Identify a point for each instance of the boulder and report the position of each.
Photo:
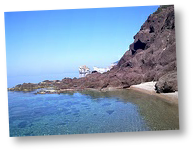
(167, 83)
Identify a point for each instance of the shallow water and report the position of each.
(88, 112)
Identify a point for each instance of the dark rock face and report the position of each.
(153, 52)
(167, 83)
(150, 57)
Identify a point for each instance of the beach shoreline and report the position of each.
(144, 87)
(149, 88)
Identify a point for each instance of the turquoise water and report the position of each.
(88, 112)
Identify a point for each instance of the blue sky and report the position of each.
(59, 41)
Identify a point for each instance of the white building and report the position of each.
(84, 70)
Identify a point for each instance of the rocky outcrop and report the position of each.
(25, 87)
(153, 52)
(151, 57)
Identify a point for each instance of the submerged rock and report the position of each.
(110, 111)
(22, 124)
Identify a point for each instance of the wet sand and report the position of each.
(149, 88)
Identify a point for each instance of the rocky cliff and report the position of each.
(151, 57)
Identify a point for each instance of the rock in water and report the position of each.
(22, 124)
(110, 111)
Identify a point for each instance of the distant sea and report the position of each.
(15, 80)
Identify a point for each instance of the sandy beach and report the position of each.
(149, 88)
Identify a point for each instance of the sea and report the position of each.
(85, 112)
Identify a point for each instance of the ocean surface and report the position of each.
(88, 112)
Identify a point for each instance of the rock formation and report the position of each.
(153, 52)
(167, 83)
(151, 57)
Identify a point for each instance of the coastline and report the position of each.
(145, 87)
(149, 88)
